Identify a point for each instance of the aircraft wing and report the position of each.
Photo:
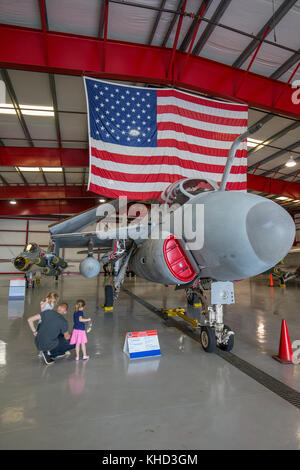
(103, 238)
(83, 219)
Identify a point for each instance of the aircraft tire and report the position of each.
(229, 346)
(208, 339)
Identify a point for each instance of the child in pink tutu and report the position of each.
(79, 335)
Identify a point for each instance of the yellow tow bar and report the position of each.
(180, 312)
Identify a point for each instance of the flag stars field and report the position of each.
(142, 139)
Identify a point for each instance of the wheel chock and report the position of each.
(108, 309)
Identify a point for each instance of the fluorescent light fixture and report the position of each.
(102, 200)
(291, 162)
(253, 142)
(6, 108)
(29, 168)
(282, 198)
(31, 112)
(52, 168)
(13, 202)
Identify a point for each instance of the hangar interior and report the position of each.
(185, 399)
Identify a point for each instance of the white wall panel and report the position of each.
(8, 268)
(8, 252)
(39, 224)
(12, 238)
(12, 224)
(39, 238)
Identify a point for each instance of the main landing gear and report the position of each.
(213, 332)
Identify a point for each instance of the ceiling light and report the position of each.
(282, 198)
(51, 168)
(102, 200)
(29, 168)
(13, 202)
(33, 112)
(291, 162)
(253, 142)
(6, 108)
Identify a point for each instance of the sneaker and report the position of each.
(85, 358)
(47, 358)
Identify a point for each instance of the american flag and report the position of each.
(143, 139)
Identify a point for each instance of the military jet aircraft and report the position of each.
(243, 235)
(33, 260)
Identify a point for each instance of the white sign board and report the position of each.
(139, 344)
(17, 289)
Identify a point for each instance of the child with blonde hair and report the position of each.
(79, 335)
(49, 301)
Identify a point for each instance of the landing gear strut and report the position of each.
(213, 332)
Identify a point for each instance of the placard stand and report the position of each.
(17, 288)
(140, 344)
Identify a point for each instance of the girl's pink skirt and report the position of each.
(78, 337)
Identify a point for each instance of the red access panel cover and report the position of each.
(177, 261)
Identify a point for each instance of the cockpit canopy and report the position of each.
(31, 248)
(183, 190)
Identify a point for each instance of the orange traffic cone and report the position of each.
(285, 354)
(271, 283)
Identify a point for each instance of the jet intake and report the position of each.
(89, 267)
(162, 260)
(58, 262)
(40, 261)
(22, 264)
(49, 271)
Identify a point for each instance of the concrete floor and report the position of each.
(186, 399)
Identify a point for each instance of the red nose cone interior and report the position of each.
(177, 261)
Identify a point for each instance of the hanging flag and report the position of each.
(143, 139)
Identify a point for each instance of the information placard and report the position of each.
(139, 344)
(17, 289)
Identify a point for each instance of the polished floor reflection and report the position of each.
(185, 399)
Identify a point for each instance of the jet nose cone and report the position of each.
(271, 231)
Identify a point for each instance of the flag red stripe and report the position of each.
(172, 126)
(109, 192)
(144, 178)
(186, 113)
(161, 160)
(201, 101)
(213, 152)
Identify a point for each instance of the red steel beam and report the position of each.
(24, 48)
(45, 207)
(273, 186)
(43, 157)
(46, 192)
